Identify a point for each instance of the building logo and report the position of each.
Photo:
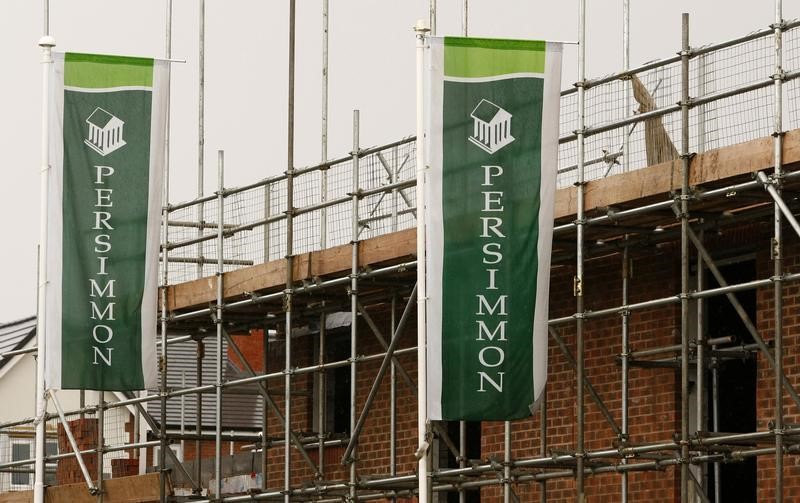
(492, 127)
(105, 132)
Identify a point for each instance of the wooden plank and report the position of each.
(708, 167)
(17, 497)
(711, 166)
(135, 489)
(307, 266)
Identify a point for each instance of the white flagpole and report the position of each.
(422, 412)
(46, 43)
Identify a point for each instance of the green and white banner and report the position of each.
(493, 143)
(107, 127)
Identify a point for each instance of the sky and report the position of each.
(371, 60)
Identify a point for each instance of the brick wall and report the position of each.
(68, 470)
(765, 409)
(654, 406)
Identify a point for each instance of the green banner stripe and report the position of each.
(490, 186)
(97, 71)
(481, 57)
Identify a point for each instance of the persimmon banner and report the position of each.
(493, 143)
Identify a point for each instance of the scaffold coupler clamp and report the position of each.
(422, 450)
(577, 286)
(287, 300)
(41, 415)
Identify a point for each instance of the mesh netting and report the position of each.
(742, 117)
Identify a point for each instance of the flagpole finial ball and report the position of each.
(47, 41)
(422, 26)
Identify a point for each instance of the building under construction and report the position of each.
(289, 368)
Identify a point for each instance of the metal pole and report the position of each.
(201, 135)
(462, 456)
(715, 428)
(137, 430)
(543, 441)
(46, 43)
(393, 180)
(465, 32)
(321, 394)
(393, 399)
(218, 322)
(684, 217)
(507, 462)
(198, 447)
(700, 376)
(183, 415)
(267, 205)
(701, 110)
(162, 434)
(287, 382)
(580, 224)
(626, 164)
(777, 251)
(323, 214)
(422, 406)
(432, 16)
(264, 422)
(354, 306)
(100, 443)
(625, 353)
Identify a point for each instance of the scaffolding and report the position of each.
(704, 99)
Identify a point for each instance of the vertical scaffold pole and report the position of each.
(684, 212)
(287, 437)
(46, 43)
(101, 401)
(700, 375)
(354, 304)
(715, 427)
(393, 399)
(626, 64)
(778, 250)
(323, 213)
(198, 446)
(393, 180)
(201, 134)
(543, 441)
(507, 462)
(624, 357)
(580, 223)
(183, 416)
(218, 322)
(626, 162)
(701, 110)
(162, 451)
(462, 456)
(432, 16)
(422, 406)
(321, 394)
(264, 420)
(465, 19)
(267, 207)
